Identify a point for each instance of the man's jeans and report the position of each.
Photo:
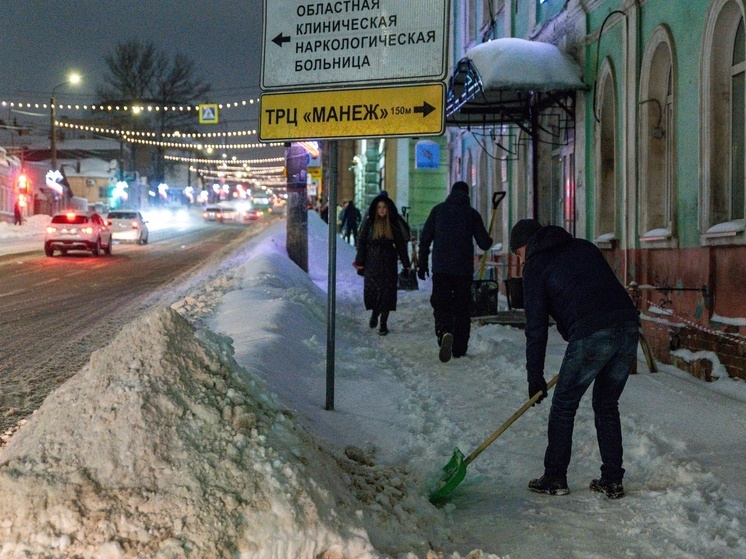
(606, 357)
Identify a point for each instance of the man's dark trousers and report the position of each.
(450, 300)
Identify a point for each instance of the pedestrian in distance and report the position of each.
(17, 215)
(350, 218)
(451, 229)
(570, 280)
(379, 245)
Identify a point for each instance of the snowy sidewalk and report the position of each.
(684, 439)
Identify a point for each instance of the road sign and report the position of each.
(208, 113)
(353, 43)
(415, 110)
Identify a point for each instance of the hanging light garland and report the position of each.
(175, 145)
(220, 161)
(175, 134)
(125, 108)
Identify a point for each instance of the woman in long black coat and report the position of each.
(379, 244)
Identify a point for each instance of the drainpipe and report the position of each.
(535, 160)
(632, 25)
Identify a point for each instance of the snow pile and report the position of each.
(32, 226)
(164, 447)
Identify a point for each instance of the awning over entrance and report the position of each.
(505, 80)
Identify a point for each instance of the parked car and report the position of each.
(77, 230)
(220, 213)
(128, 225)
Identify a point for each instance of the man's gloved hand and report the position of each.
(537, 385)
(422, 272)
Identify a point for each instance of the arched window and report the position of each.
(722, 203)
(606, 158)
(657, 226)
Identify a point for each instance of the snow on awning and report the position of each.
(498, 81)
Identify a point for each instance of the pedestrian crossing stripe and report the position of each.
(208, 113)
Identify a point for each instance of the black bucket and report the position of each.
(514, 292)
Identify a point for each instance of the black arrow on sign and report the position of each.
(425, 109)
(281, 39)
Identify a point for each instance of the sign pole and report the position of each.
(332, 275)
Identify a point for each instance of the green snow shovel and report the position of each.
(455, 470)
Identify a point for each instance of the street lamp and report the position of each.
(73, 79)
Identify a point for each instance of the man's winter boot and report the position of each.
(373, 319)
(549, 485)
(446, 345)
(611, 489)
(383, 330)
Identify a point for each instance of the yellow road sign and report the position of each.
(208, 113)
(415, 110)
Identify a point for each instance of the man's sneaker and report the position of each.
(549, 486)
(609, 488)
(446, 343)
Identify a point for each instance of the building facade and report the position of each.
(645, 157)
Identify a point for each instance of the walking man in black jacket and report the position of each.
(450, 228)
(570, 280)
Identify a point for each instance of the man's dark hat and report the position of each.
(460, 185)
(522, 231)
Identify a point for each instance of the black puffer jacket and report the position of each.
(450, 228)
(569, 280)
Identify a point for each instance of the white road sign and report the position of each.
(309, 43)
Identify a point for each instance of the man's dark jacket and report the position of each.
(450, 228)
(569, 280)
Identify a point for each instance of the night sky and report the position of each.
(43, 40)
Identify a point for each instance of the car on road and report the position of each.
(220, 213)
(128, 225)
(250, 214)
(77, 230)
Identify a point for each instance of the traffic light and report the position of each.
(22, 184)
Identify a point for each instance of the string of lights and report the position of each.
(147, 134)
(149, 107)
(220, 161)
(175, 145)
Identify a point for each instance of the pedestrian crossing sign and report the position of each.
(208, 113)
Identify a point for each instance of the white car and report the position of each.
(76, 230)
(220, 213)
(128, 225)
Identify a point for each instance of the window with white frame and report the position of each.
(606, 158)
(722, 201)
(657, 208)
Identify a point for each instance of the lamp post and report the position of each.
(72, 78)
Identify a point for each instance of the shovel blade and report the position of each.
(453, 474)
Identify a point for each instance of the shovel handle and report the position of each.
(508, 423)
(497, 197)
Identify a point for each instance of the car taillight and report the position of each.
(135, 225)
(86, 230)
